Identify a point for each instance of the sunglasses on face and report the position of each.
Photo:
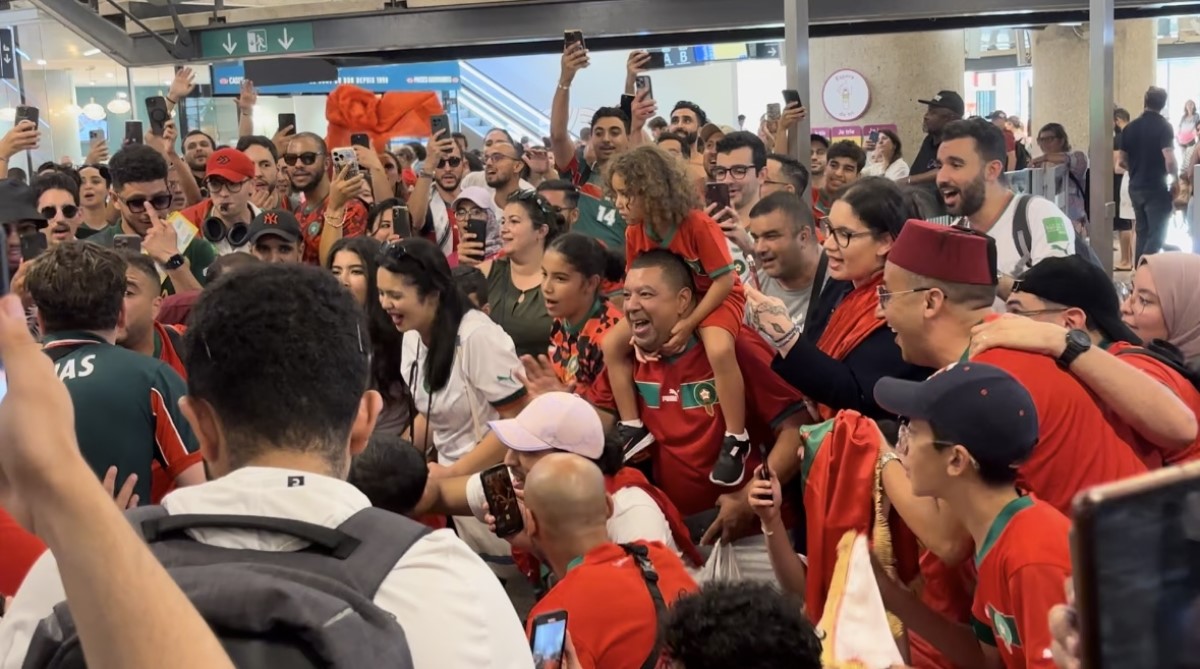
(452, 161)
(68, 211)
(308, 158)
(137, 204)
(218, 185)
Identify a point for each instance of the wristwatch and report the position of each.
(174, 262)
(1078, 342)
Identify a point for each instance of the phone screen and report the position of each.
(549, 638)
(717, 193)
(133, 132)
(33, 245)
(1140, 600)
(288, 121)
(873, 137)
(502, 500)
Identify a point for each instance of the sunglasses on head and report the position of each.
(308, 158)
(452, 161)
(531, 196)
(68, 211)
(160, 202)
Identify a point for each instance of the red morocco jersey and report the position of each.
(677, 400)
(1022, 564)
(1079, 446)
(1153, 455)
(701, 244)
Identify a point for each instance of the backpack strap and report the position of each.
(1022, 238)
(385, 538)
(641, 556)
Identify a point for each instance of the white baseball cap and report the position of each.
(554, 421)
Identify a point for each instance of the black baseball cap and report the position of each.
(997, 115)
(979, 406)
(947, 100)
(1074, 281)
(276, 222)
(17, 203)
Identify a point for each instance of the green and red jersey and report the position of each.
(1022, 564)
(575, 349)
(678, 403)
(126, 408)
(598, 215)
(312, 225)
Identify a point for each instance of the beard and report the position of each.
(971, 198)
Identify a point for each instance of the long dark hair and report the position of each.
(386, 341)
(541, 213)
(589, 257)
(425, 266)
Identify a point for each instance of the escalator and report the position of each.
(484, 104)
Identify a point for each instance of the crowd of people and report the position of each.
(691, 354)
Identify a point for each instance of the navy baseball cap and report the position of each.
(981, 407)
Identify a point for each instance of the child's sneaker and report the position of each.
(731, 463)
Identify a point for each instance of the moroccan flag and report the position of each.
(857, 632)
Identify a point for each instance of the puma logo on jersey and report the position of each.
(68, 369)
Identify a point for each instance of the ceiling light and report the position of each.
(94, 111)
(122, 94)
(92, 52)
(73, 109)
(110, 75)
(119, 106)
(41, 62)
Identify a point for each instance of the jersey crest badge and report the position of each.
(1005, 628)
(706, 395)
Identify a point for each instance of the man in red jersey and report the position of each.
(678, 403)
(1141, 389)
(964, 433)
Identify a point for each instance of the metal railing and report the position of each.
(509, 111)
(1045, 182)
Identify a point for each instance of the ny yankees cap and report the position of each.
(979, 406)
(276, 222)
(554, 421)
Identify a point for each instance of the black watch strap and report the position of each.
(1078, 342)
(174, 262)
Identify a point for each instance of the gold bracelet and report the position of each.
(341, 220)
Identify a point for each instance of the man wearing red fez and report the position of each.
(938, 284)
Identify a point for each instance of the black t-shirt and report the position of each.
(1143, 142)
(927, 161)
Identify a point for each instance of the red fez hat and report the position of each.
(946, 253)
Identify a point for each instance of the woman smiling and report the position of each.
(841, 354)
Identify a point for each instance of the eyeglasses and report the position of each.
(217, 185)
(739, 172)
(904, 438)
(1034, 312)
(308, 158)
(473, 212)
(841, 236)
(885, 295)
(68, 211)
(137, 203)
(452, 161)
(497, 157)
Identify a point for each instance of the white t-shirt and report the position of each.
(483, 377)
(896, 171)
(1051, 234)
(636, 516)
(439, 585)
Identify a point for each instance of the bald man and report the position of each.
(613, 609)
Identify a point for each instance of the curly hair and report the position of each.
(658, 181)
(746, 625)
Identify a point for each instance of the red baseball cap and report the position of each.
(231, 165)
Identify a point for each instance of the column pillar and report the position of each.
(1135, 62)
(899, 69)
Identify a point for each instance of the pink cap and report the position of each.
(554, 421)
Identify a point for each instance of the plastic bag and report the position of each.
(721, 566)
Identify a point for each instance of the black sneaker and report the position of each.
(634, 440)
(731, 463)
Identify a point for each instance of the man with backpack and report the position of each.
(278, 552)
(1026, 229)
(1145, 388)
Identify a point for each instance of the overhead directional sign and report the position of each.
(764, 50)
(260, 40)
(8, 58)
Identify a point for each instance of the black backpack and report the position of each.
(308, 608)
(1023, 238)
(1023, 156)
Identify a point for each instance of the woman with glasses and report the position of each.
(515, 279)
(57, 197)
(354, 262)
(1165, 303)
(459, 366)
(1056, 150)
(846, 347)
(887, 160)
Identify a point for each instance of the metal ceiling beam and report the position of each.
(473, 31)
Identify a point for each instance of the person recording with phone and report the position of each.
(382, 225)
(615, 594)
(224, 217)
(139, 189)
(887, 158)
(439, 183)
(24, 136)
(331, 207)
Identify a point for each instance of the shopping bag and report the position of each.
(721, 566)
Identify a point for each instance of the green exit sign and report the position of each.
(262, 40)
